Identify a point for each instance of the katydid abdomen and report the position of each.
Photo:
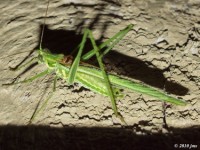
(92, 79)
(86, 79)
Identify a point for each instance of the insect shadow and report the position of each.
(63, 41)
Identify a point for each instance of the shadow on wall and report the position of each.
(71, 138)
(63, 41)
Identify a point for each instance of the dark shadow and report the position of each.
(72, 34)
(137, 69)
(95, 138)
(63, 41)
(114, 2)
(60, 41)
(24, 71)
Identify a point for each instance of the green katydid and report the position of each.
(95, 79)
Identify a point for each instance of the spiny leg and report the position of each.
(105, 76)
(74, 67)
(110, 43)
(29, 79)
(75, 64)
(37, 110)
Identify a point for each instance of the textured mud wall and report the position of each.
(162, 50)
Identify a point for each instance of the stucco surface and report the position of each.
(162, 50)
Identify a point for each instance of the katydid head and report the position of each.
(45, 56)
(40, 56)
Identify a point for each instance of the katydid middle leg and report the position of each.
(37, 110)
(75, 64)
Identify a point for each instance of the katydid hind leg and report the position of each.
(110, 43)
(105, 76)
(116, 40)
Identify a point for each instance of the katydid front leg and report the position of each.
(24, 65)
(30, 79)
